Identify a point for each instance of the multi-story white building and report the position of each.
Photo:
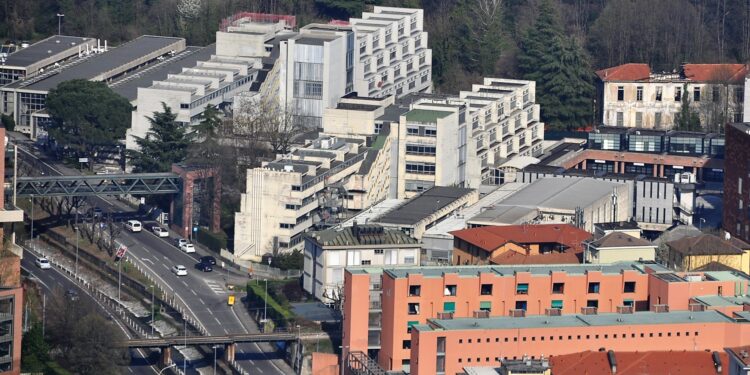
(329, 252)
(631, 95)
(392, 57)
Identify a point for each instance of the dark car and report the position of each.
(71, 295)
(208, 259)
(205, 267)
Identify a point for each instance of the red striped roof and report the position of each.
(492, 237)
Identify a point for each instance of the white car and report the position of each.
(179, 270)
(187, 247)
(180, 241)
(43, 263)
(134, 226)
(160, 232)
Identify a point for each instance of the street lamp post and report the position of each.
(170, 366)
(184, 357)
(342, 358)
(59, 24)
(77, 238)
(152, 309)
(32, 222)
(265, 301)
(215, 347)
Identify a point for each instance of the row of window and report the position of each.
(416, 149)
(521, 288)
(582, 337)
(413, 308)
(739, 94)
(420, 168)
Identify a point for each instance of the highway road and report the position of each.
(203, 294)
(53, 281)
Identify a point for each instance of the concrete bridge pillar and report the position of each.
(229, 352)
(165, 358)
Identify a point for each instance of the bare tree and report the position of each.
(268, 122)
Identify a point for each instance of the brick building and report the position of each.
(737, 173)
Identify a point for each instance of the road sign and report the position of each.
(121, 252)
(195, 229)
(230, 300)
(83, 160)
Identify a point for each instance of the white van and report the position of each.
(134, 226)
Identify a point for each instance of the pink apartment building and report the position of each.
(381, 321)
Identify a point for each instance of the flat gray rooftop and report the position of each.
(534, 269)
(128, 86)
(98, 64)
(43, 49)
(600, 320)
(424, 205)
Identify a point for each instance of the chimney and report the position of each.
(355, 229)
(612, 361)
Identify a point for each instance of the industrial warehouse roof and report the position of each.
(98, 64)
(492, 237)
(534, 269)
(619, 239)
(577, 320)
(708, 244)
(426, 115)
(362, 235)
(45, 48)
(424, 205)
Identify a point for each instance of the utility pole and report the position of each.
(119, 278)
(215, 347)
(184, 357)
(152, 310)
(265, 302)
(32, 222)
(77, 238)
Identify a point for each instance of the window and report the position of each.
(415, 290)
(558, 288)
(628, 302)
(522, 288)
(416, 149)
(715, 96)
(620, 93)
(450, 290)
(620, 119)
(413, 309)
(557, 304)
(594, 287)
(696, 94)
(629, 287)
(639, 93)
(658, 93)
(440, 364)
(592, 303)
(286, 226)
(449, 307)
(677, 94)
(639, 119)
(378, 251)
(408, 260)
(406, 344)
(366, 262)
(410, 324)
(184, 106)
(486, 289)
(441, 345)
(420, 168)
(485, 305)
(657, 120)
(739, 95)
(520, 305)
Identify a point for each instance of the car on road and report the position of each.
(188, 248)
(205, 267)
(208, 259)
(43, 263)
(71, 295)
(159, 231)
(180, 241)
(179, 270)
(97, 212)
(133, 226)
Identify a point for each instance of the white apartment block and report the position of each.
(307, 187)
(630, 95)
(329, 252)
(391, 53)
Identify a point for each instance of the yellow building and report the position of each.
(691, 253)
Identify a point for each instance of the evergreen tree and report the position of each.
(564, 88)
(206, 149)
(166, 143)
(34, 351)
(687, 119)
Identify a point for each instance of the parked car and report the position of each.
(180, 241)
(133, 226)
(43, 263)
(208, 259)
(188, 248)
(71, 295)
(160, 232)
(179, 270)
(205, 267)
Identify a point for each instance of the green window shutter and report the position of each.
(449, 306)
(557, 304)
(485, 305)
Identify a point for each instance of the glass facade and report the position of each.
(602, 141)
(645, 143)
(29, 103)
(686, 145)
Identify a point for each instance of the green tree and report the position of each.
(483, 35)
(87, 117)
(687, 119)
(8, 123)
(564, 88)
(34, 351)
(165, 143)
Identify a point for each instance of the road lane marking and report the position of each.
(192, 291)
(202, 303)
(217, 321)
(147, 260)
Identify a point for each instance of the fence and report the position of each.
(258, 269)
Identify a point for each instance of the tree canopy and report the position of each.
(564, 88)
(165, 143)
(87, 117)
(687, 119)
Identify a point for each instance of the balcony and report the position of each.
(11, 214)
(375, 305)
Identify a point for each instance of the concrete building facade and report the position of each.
(43, 55)
(736, 209)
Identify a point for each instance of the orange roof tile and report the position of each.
(731, 73)
(639, 363)
(513, 257)
(625, 72)
(491, 237)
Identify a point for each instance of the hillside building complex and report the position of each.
(631, 95)
(43, 55)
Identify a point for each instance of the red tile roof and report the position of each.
(731, 73)
(625, 72)
(640, 363)
(512, 257)
(492, 237)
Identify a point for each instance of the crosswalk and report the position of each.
(215, 286)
